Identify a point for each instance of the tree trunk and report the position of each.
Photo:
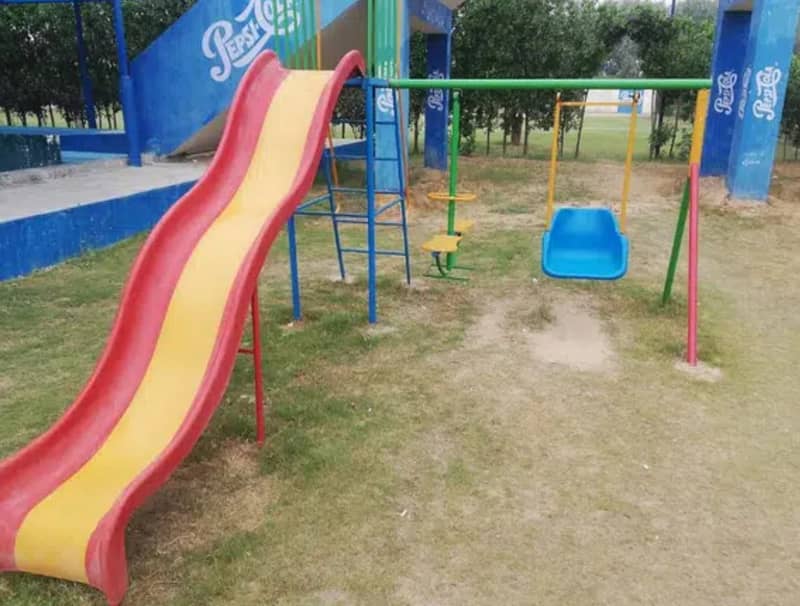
(526, 136)
(662, 108)
(653, 117)
(7, 112)
(416, 135)
(580, 126)
(505, 138)
(489, 138)
(114, 118)
(39, 121)
(516, 130)
(52, 117)
(23, 118)
(675, 129)
(785, 144)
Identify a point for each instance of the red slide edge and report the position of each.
(105, 558)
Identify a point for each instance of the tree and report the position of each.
(790, 125)
(40, 66)
(678, 47)
(529, 39)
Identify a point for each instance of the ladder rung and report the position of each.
(364, 251)
(443, 196)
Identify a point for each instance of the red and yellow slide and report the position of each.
(65, 499)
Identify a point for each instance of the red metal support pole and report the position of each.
(257, 368)
(694, 215)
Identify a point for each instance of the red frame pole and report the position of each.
(257, 368)
(255, 351)
(694, 216)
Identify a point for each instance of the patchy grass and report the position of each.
(439, 460)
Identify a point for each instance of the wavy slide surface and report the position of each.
(65, 500)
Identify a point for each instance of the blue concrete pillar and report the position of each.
(730, 46)
(766, 70)
(127, 95)
(387, 173)
(438, 102)
(83, 67)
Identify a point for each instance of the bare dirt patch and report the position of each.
(701, 372)
(575, 339)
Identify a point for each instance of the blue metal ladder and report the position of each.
(359, 152)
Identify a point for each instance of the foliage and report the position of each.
(790, 126)
(670, 47)
(39, 70)
(528, 39)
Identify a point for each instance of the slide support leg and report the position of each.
(258, 368)
(291, 230)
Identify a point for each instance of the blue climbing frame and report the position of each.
(126, 91)
(313, 207)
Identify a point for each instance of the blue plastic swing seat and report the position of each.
(584, 244)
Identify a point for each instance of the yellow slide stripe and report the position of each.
(54, 536)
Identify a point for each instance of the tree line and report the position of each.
(493, 39)
(39, 71)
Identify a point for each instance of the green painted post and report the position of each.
(676, 245)
(370, 37)
(314, 59)
(455, 140)
(302, 23)
(275, 28)
(295, 61)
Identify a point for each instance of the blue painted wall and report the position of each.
(733, 32)
(188, 76)
(766, 71)
(387, 175)
(434, 14)
(43, 240)
(751, 65)
(437, 103)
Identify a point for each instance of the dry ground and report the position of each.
(513, 440)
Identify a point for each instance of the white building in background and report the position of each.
(645, 101)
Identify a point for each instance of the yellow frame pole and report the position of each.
(626, 181)
(551, 181)
(699, 130)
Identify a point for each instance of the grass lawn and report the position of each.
(511, 440)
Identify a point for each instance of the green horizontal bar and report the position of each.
(556, 84)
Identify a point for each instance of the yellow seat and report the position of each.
(442, 244)
(464, 226)
(443, 196)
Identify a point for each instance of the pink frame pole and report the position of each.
(694, 217)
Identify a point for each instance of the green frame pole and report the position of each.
(455, 140)
(680, 228)
(556, 84)
(370, 37)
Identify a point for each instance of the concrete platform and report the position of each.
(96, 184)
(89, 206)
